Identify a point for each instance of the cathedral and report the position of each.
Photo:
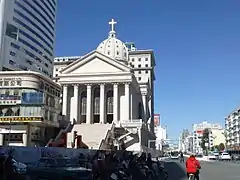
(109, 91)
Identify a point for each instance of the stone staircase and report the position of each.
(92, 134)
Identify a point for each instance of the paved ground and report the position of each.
(209, 171)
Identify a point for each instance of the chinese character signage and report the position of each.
(21, 119)
(10, 82)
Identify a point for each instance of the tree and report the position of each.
(217, 147)
(221, 146)
(205, 139)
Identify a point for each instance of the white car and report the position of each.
(212, 157)
(224, 156)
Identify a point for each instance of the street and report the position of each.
(209, 171)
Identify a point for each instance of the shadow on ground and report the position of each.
(175, 170)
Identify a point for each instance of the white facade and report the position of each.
(60, 63)
(29, 108)
(232, 126)
(198, 133)
(102, 87)
(186, 144)
(161, 137)
(27, 35)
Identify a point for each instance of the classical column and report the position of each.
(64, 102)
(76, 103)
(24, 139)
(102, 103)
(126, 105)
(144, 100)
(89, 104)
(1, 139)
(115, 102)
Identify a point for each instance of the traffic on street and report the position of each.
(210, 170)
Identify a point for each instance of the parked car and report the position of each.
(225, 157)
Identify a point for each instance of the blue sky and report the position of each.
(196, 44)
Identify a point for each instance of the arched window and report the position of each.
(83, 103)
(110, 102)
(96, 96)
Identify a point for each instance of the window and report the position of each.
(132, 59)
(139, 78)
(12, 31)
(146, 65)
(146, 59)
(12, 53)
(110, 102)
(15, 92)
(11, 62)
(139, 65)
(7, 91)
(15, 46)
(83, 103)
(146, 71)
(139, 59)
(117, 53)
(139, 72)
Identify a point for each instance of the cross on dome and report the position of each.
(112, 33)
(112, 23)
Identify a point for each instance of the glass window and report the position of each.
(83, 103)
(12, 53)
(12, 31)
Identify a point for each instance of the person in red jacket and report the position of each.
(193, 166)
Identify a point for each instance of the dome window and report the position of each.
(108, 52)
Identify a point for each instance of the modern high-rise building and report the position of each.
(27, 35)
(232, 130)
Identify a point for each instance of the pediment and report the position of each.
(95, 62)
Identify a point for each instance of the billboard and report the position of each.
(32, 98)
(156, 119)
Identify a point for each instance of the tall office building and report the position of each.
(27, 35)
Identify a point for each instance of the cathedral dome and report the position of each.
(113, 47)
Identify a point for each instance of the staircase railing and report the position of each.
(67, 129)
(107, 135)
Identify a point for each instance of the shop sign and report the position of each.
(10, 82)
(21, 119)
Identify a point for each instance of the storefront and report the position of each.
(25, 131)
